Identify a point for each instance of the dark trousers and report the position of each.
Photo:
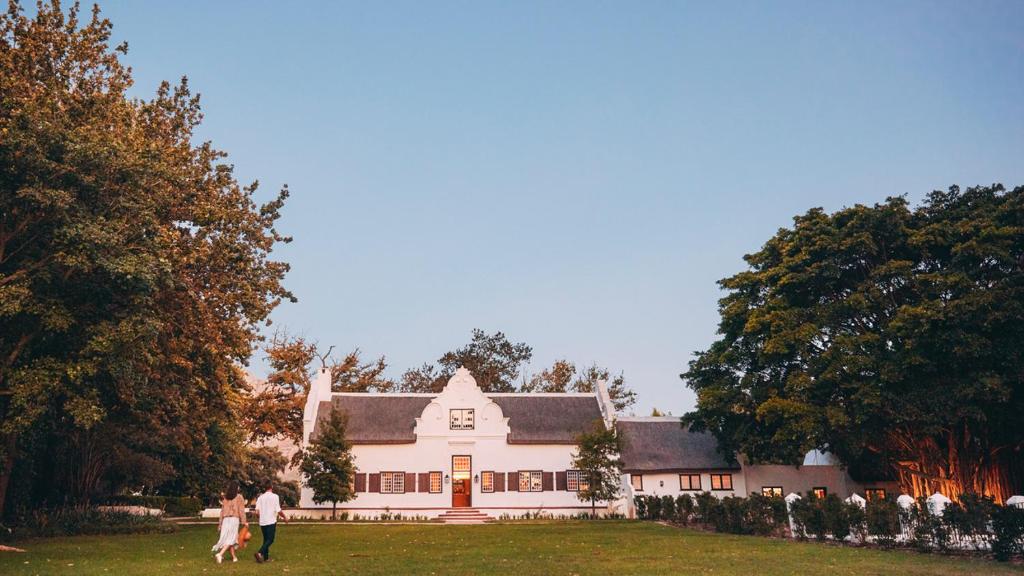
(268, 538)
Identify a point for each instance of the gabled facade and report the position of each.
(423, 454)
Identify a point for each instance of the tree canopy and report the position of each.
(134, 268)
(881, 333)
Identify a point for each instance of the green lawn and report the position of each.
(519, 549)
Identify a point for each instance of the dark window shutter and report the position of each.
(499, 482)
(547, 481)
(360, 482)
(560, 481)
(424, 482)
(375, 482)
(410, 481)
(513, 481)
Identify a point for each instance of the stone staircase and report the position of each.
(464, 516)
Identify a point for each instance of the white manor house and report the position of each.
(464, 453)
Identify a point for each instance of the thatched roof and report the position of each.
(533, 418)
(664, 445)
(543, 419)
(376, 418)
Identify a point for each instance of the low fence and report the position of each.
(935, 523)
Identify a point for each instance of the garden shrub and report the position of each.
(1008, 532)
(684, 508)
(927, 530)
(835, 518)
(882, 517)
(968, 521)
(668, 508)
(641, 507)
(707, 506)
(856, 518)
(654, 507)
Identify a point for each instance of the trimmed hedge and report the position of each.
(754, 515)
(84, 520)
(171, 505)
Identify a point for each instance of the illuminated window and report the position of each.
(874, 494)
(689, 481)
(771, 491)
(531, 481)
(820, 492)
(461, 466)
(435, 482)
(487, 481)
(392, 482)
(461, 419)
(637, 480)
(575, 481)
(721, 481)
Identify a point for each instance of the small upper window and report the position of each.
(721, 481)
(775, 491)
(638, 482)
(461, 419)
(874, 494)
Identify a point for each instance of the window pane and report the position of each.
(524, 481)
(398, 482)
(727, 481)
(435, 482)
(536, 482)
(572, 481)
(716, 482)
(638, 481)
(461, 464)
(487, 482)
(821, 492)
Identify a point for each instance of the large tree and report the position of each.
(134, 268)
(882, 333)
(563, 377)
(494, 361)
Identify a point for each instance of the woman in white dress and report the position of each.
(232, 515)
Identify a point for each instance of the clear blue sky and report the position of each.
(577, 175)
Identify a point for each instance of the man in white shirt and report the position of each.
(268, 505)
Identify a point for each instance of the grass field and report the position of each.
(556, 548)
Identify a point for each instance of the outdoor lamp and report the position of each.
(447, 479)
(661, 483)
(476, 479)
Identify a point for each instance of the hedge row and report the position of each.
(757, 514)
(171, 505)
(975, 522)
(84, 520)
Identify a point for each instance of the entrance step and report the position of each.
(464, 516)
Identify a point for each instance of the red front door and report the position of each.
(462, 483)
(461, 494)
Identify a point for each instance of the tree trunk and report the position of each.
(7, 470)
(593, 507)
(334, 510)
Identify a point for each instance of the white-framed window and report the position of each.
(435, 483)
(392, 482)
(487, 481)
(689, 482)
(637, 480)
(721, 481)
(461, 418)
(575, 481)
(771, 491)
(531, 481)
